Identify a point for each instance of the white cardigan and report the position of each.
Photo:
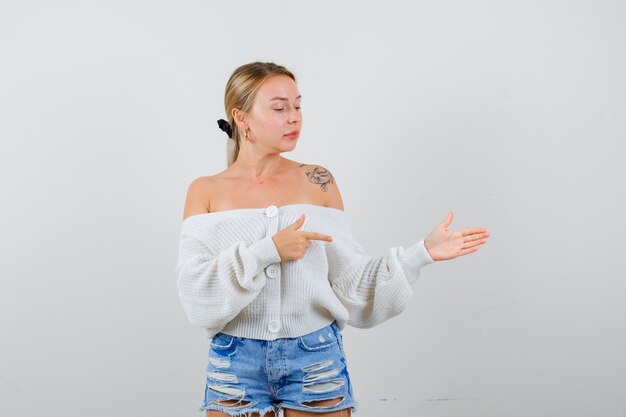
(231, 278)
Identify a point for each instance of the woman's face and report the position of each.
(275, 119)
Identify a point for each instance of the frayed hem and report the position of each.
(236, 413)
(320, 410)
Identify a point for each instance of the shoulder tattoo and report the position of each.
(320, 176)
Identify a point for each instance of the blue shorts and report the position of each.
(260, 376)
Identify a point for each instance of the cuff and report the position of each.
(413, 259)
(265, 251)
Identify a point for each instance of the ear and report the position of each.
(240, 118)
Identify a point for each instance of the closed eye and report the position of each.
(285, 108)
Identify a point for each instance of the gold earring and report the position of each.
(245, 134)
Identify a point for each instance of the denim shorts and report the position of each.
(260, 376)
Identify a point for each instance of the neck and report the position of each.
(258, 166)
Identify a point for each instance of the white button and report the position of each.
(272, 271)
(274, 326)
(271, 211)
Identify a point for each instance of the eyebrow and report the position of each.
(284, 98)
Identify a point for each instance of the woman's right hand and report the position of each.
(293, 243)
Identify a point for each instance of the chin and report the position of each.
(288, 147)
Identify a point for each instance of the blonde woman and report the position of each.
(268, 266)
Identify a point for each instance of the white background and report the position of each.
(511, 114)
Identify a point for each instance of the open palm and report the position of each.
(443, 243)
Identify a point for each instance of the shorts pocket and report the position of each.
(320, 339)
(222, 341)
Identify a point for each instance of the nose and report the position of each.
(294, 115)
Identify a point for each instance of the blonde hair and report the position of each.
(240, 91)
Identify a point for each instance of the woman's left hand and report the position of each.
(443, 244)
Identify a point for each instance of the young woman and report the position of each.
(268, 266)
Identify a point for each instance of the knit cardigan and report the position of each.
(230, 277)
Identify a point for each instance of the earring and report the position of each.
(245, 135)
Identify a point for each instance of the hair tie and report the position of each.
(225, 126)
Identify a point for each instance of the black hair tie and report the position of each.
(225, 126)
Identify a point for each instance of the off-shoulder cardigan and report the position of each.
(230, 277)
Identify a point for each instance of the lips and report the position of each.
(293, 134)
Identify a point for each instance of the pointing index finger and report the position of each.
(317, 236)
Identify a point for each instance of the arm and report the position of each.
(215, 287)
(373, 289)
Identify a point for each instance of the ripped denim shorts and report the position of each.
(247, 376)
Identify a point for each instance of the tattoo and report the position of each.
(321, 176)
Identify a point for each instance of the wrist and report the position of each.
(428, 246)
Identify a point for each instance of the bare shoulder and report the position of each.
(325, 183)
(198, 192)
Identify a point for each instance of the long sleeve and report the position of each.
(373, 289)
(215, 287)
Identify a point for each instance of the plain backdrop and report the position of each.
(512, 114)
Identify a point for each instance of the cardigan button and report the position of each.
(274, 326)
(271, 211)
(272, 271)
